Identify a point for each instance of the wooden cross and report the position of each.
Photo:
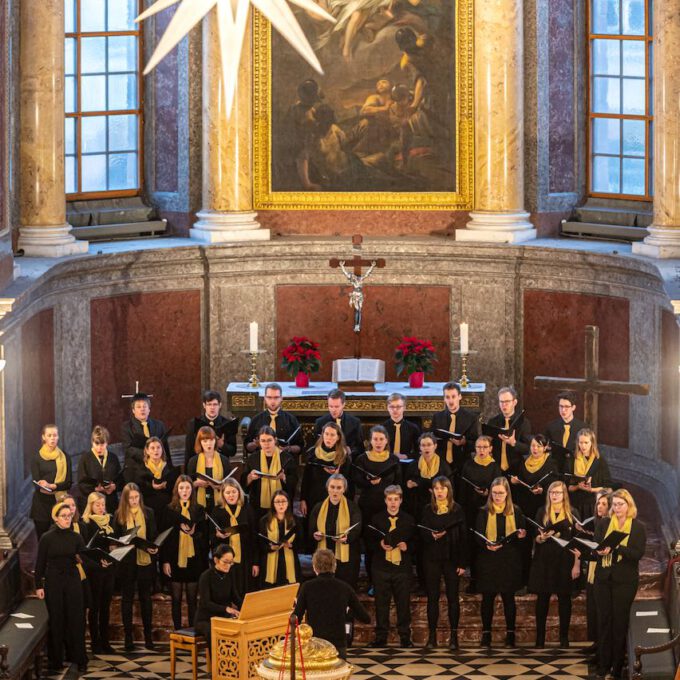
(591, 386)
(357, 262)
(129, 396)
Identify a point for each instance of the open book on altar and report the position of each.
(358, 371)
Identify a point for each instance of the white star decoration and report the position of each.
(232, 16)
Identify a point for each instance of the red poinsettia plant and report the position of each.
(414, 355)
(301, 355)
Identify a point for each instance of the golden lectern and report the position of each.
(238, 645)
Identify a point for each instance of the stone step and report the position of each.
(120, 230)
(628, 216)
(604, 231)
(115, 211)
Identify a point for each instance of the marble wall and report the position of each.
(670, 388)
(6, 262)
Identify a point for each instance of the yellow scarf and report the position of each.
(217, 473)
(534, 464)
(96, 457)
(273, 556)
(269, 486)
(186, 542)
(394, 555)
(557, 517)
(431, 469)
(442, 507)
(58, 456)
(376, 457)
(79, 566)
(136, 519)
(155, 468)
(103, 523)
(325, 456)
(341, 524)
(234, 539)
(487, 460)
(582, 466)
(492, 522)
(614, 526)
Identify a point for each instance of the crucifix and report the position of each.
(129, 396)
(592, 385)
(356, 280)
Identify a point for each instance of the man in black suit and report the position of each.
(226, 441)
(563, 430)
(455, 418)
(325, 599)
(282, 422)
(349, 424)
(509, 450)
(135, 432)
(402, 434)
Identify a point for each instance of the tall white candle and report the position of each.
(253, 336)
(464, 346)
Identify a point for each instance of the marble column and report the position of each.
(664, 232)
(227, 213)
(44, 230)
(499, 213)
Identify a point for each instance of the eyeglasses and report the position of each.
(557, 492)
(226, 562)
(499, 493)
(482, 448)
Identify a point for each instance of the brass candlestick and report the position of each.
(464, 380)
(253, 381)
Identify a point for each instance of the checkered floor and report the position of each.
(387, 664)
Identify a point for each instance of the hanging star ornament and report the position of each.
(232, 17)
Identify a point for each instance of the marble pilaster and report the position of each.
(227, 214)
(44, 230)
(664, 232)
(499, 213)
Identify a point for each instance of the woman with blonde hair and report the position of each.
(587, 473)
(499, 563)
(156, 478)
(554, 570)
(616, 581)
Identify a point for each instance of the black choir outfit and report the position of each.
(42, 503)
(584, 501)
(440, 559)
(550, 574)
(134, 440)
(351, 428)
(419, 496)
(555, 431)
(284, 425)
(316, 474)
(209, 490)
(156, 499)
(515, 454)
(348, 565)
(616, 583)
(219, 424)
(217, 590)
(256, 497)
(408, 436)
(391, 573)
(197, 564)
(56, 571)
(92, 471)
(275, 571)
(467, 424)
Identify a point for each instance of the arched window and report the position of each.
(620, 99)
(103, 98)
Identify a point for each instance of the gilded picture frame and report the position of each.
(444, 191)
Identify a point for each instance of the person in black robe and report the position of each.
(564, 430)
(402, 434)
(342, 519)
(57, 580)
(51, 472)
(99, 470)
(325, 601)
(184, 554)
(454, 418)
(554, 570)
(226, 429)
(350, 425)
(135, 432)
(444, 547)
(156, 478)
(234, 511)
(617, 576)
(269, 460)
(587, 475)
(218, 592)
(499, 565)
(284, 424)
(509, 450)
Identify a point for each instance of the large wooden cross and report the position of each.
(591, 385)
(356, 280)
(129, 396)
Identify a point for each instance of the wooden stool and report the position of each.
(188, 639)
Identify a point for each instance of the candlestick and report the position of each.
(464, 341)
(464, 381)
(253, 336)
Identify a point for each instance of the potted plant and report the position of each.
(300, 358)
(416, 357)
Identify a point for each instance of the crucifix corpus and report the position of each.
(129, 396)
(591, 385)
(356, 280)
